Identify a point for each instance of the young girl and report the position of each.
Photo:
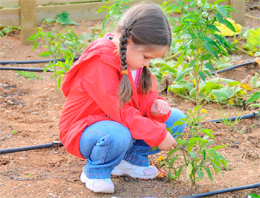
(113, 115)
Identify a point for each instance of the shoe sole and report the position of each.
(82, 178)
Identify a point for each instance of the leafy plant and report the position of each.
(67, 45)
(28, 75)
(221, 90)
(254, 98)
(7, 30)
(114, 11)
(63, 19)
(200, 43)
(253, 40)
(199, 157)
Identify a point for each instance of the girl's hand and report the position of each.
(160, 107)
(168, 142)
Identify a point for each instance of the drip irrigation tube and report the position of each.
(251, 115)
(54, 144)
(233, 67)
(25, 69)
(32, 61)
(257, 185)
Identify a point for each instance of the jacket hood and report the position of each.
(102, 47)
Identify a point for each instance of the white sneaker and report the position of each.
(140, 172)
(98, 185)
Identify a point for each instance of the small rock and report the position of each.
(13, 90)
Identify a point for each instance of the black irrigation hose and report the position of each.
(54, 144)
(25, 69)
(251, 115)
(233, 67)
(257, 185)
(32, 61)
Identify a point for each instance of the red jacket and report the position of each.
(90, 88)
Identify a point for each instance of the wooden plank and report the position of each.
(9, 17)
(9, 3)
(27, 20)
(44, 2)
(77, 12)
(239, 15)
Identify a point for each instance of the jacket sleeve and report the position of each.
(146, 101)
(101, 81)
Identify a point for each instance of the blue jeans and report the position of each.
(106, 143)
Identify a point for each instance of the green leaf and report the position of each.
(221, 9)
(218, 1)
(229, 25)
(209, 48)
(178, 173)
(254, 97)
(223, 94)
(181, 142)
(202, 75)
(171, 176)
(35, 45)
(208, 132)
(251, 195)
(192, 63)
(200, 174)
(193, 155)
(206, 56)
(219, 147)
(208, 172)
(189, 170)
(45, 54)
(210, 66)
(213, 27)
(177, 28)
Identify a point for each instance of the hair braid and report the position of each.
(125, 90)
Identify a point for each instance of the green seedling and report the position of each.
(62, 19)
(14, 132)
(28, 75)
(8, 30)
(195, 153)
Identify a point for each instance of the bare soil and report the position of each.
(29, 115)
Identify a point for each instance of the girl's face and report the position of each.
(139, 56)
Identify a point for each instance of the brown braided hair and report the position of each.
(148, 26)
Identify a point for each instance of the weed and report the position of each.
(28, 75)
(62, 19)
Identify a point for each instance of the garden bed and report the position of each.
(30, 111)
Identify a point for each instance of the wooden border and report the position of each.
(10, 17)
(9, 3)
